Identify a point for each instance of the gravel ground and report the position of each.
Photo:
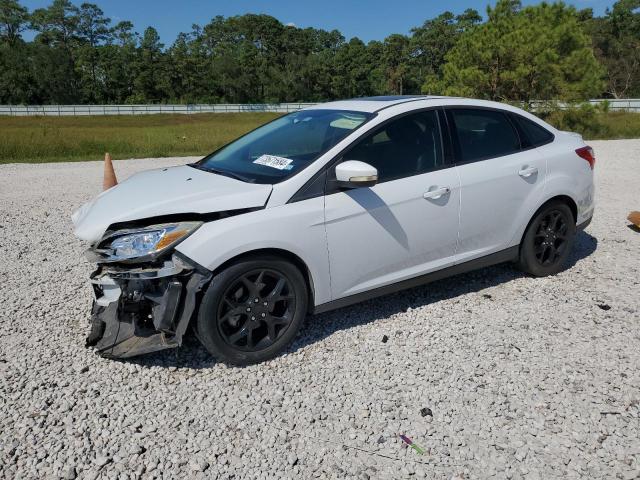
(494, 374)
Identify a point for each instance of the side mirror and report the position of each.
(355, 174)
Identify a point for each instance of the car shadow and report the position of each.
(317, 327)
(371, 202)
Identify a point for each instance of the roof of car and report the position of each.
(372, 104)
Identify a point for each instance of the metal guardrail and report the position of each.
(80, 110)
(630, 105)
(615, 104)
(620, 104)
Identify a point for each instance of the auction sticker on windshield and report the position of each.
(272, 161)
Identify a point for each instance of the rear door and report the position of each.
(499, 179)
(402, 227)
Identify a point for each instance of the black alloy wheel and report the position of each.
(547, 242)
(550, 239)
(256, 310)
(252, 310)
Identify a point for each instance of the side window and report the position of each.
(408, 146)
(534, 134)
(483, 134)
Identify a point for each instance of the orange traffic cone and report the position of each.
(110, 179)
(634, 217)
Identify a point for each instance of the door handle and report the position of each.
(526, 172)
(436, 193)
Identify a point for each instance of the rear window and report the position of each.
(483, 134)
(534, 135)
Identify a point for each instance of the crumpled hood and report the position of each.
(165, 191)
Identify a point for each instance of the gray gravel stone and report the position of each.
(510, 366)
(69, 473)
(101, 460)
(198, 464)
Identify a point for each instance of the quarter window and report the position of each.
(534, 134)
(404, 147)
(483, 134)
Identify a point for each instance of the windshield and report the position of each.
(282, 148)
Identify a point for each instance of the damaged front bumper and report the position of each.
(143, 309)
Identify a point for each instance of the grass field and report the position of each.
(619, 125)
(55, 139)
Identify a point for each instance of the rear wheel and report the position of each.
(547, 243)
(252, 310)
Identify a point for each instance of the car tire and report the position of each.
(252, 310)
(548, 240)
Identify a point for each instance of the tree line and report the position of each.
(516, 53)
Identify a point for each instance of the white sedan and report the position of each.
(323, 208)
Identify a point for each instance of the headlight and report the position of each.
(139, 243)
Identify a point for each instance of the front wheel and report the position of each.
(252, 310)
(547, 243)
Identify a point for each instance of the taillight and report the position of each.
(588, 155)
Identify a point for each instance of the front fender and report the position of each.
(297, 228)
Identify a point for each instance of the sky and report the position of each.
(366, 19)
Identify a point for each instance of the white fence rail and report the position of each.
(79, 110)
(630, 105)
(620, 104)
(615, 105)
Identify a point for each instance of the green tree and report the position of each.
(93, 27)
(432, 41)
(534, 53)
(183, 71)
(616, 38)
(522, 54)
(116, 60)
(395, 58)
(54, 57)
(92, 32)
(150, 81)
(291, 78)
(55, 78)
(356, 73)
(57, 24)
(15, 81)
(123, 34)
(14, 19)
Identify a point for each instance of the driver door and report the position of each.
(404, 226)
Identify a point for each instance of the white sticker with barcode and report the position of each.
(272, 161)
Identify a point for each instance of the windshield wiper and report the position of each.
(222, 172)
